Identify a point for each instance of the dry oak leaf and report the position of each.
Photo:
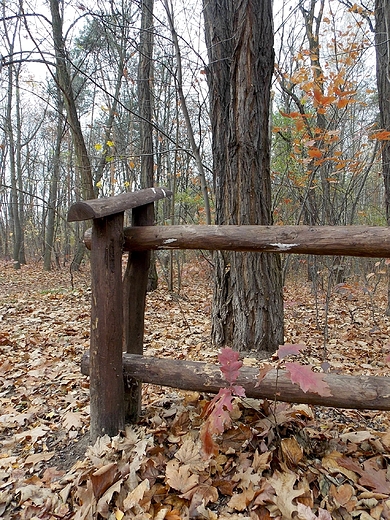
(240, 501)
(179, 477)
(246, 478)
(203, 493)
(72, 420)
(190, 454)
(343, 495)
(103, 478)
(306, 513)
(283, 484)
(374, 478)
(292, 451)
(103, 505)
(261, 461)
(34, 434)
(39, 457)
(135, 496)
(334, 462)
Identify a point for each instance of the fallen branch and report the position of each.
(356, 392)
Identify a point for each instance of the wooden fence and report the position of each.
(115, 375)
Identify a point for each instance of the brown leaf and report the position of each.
(240, 501)
(246, 478)
(102, 507)
(334, 462)
(261, 461)
(72, 420)
(292, 452)
(283, 484)
(134, 497)
(190, 454)
(103, 478)
(234, 438)
(179, 477)
(374, 478)
(344, 496)
(39, 457)
(225, 486)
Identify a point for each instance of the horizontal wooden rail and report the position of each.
(321, 240)
(356, 392)
(99, 208)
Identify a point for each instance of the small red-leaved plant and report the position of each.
(219, 410)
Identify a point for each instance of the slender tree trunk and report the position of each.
(65, 84)
(14, 165)
(186, 115)
(248, 301)
(141, 272)
(53, 191)
(382, 49)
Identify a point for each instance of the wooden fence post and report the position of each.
(107, 325)
(135, 287)
(106, 376)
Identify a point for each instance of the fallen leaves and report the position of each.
(268, 460)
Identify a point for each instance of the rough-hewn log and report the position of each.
(106, 381)
(322, 240)
(97, 208)
(364, 241)
(356, 392)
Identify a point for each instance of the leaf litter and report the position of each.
(273, 460)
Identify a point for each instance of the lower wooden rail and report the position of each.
(348, 391)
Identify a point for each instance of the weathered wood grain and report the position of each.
(106, 381)
(366, 241)
(98, 208)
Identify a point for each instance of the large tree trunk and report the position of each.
(382, 35)
(248, 302)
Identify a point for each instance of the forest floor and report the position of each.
(275, 461)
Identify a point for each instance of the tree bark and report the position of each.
(354, 392)
(248, 304)
(145, 82)
(382, 50)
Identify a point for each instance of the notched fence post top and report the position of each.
(98, 208)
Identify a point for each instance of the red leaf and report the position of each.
(208, 445)
(230, 364)
(290, 349)
(238, 390)
(308, 380)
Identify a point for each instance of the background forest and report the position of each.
(73, 107)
